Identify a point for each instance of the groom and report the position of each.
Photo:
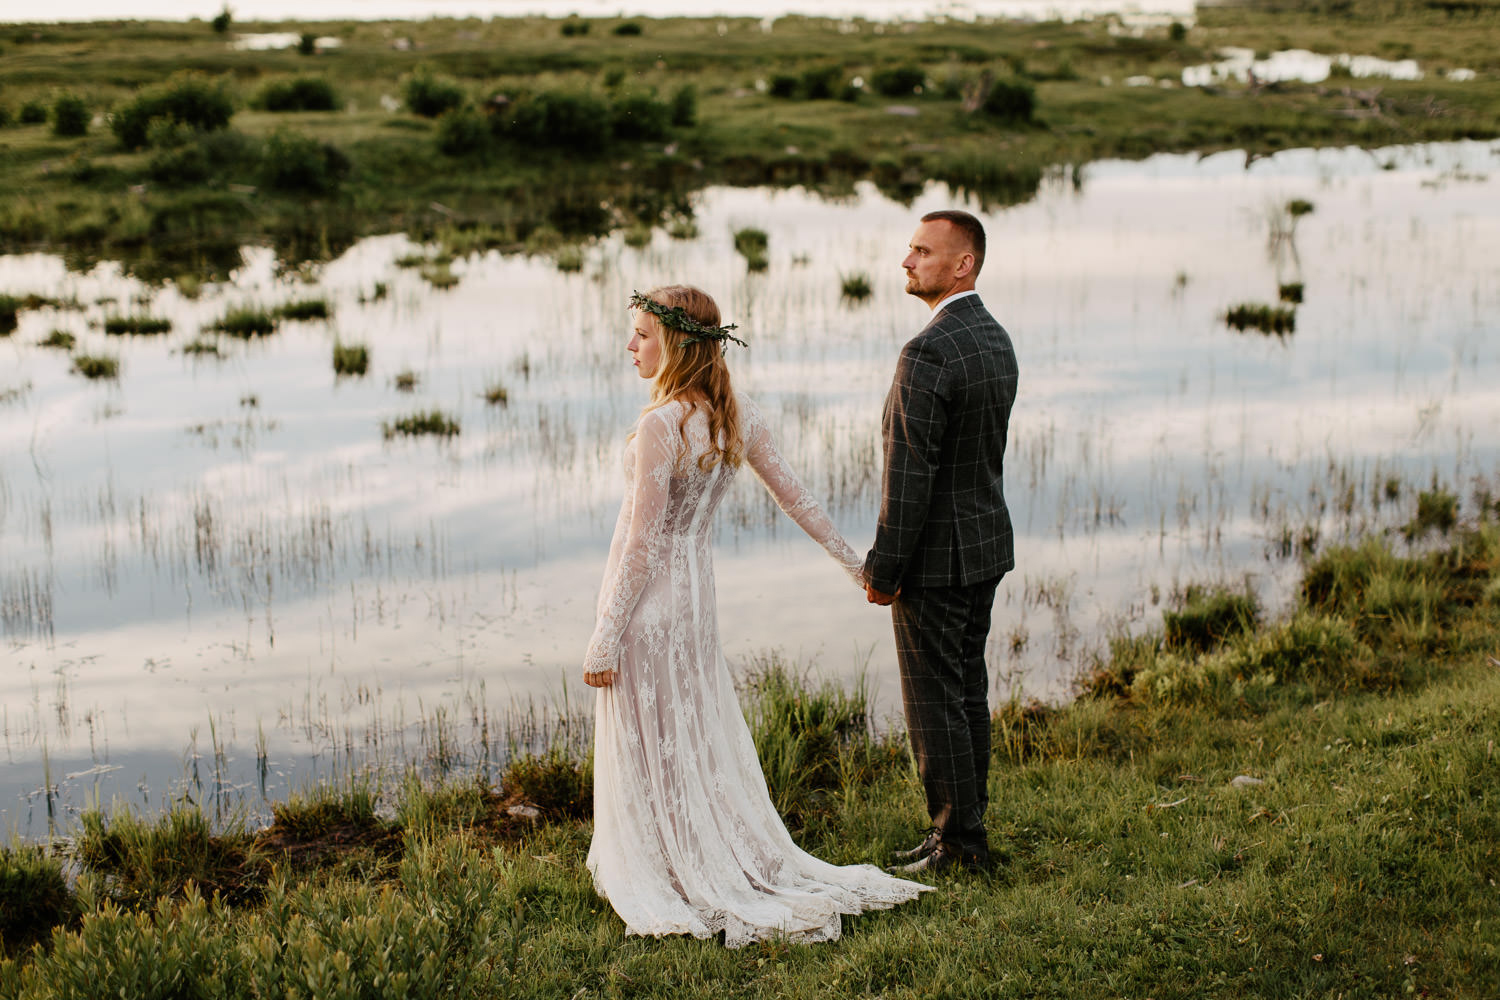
(944, 538)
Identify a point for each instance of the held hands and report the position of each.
(878, 597)
(602, 679)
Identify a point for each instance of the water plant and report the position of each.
(140, 325)
(59, 338)
(1258, 316)
(569, 259)
(303, 309)
(201, 347)
(1291, 293)
(246, 322)
(439, 274)
(431, 422)
(405, 380)
(350, 359)
(855, 287)
(496, 394)
(96, 366)
(753, 244)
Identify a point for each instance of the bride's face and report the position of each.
(645, 344)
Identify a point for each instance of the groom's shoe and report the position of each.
(944, 860)
(927, 846)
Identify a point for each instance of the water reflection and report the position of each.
(1301, 65)
(217, 565)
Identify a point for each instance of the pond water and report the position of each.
(220, 577)
(1302, 65)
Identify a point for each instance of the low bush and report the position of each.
(783, 85)
(187, 100)
(301, 165)
(576, 121)
(1010, 101)
(685, 106)
(898, 81)
(33, 113)
(822, 83)
(433, 422)
(640, 117)
(303, 93)
(628, 28)
(70, 116)
(430, 96)
(464, 132)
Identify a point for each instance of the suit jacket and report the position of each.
(943, 519)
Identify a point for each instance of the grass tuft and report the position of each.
(855, 287)
(96, 366)
(136, 325)
(303, 309)
(433, 422)
(144, 862)
(1267, 319)
(496, 394)
(350, 359)
(246, 322)
(34, 898)
(59, 338)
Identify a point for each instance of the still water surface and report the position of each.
(226, 553)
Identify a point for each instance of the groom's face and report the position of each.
(933, 260)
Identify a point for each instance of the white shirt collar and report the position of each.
(954, 298)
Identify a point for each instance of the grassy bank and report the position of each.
(529, 133)
(1234, 806)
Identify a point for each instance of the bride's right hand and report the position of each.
(601, 680)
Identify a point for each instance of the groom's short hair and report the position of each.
(971, 227)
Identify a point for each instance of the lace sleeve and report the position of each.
(657, 443)
(790, 495)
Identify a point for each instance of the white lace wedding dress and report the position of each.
(686, 840)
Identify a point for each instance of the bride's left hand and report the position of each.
(601, 680)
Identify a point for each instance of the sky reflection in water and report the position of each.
(224, 572)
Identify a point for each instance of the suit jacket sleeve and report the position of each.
(916, 416)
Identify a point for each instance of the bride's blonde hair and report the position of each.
(693, 371)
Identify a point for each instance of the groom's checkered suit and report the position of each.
(944, 540)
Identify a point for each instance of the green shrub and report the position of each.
(783, 85)
(187, 100)
(641, 117)
(574, 27)
(574, 121)
(1290, 293)
(70, 116)
(856, 286)
(1010, 101)
(430, 96)
(221, 22)
(496, 394)
(464, 132)
(303, 93)
(59, 338)
(34, 898)
(6, 117)
(33, 113)
(685, 106)
(1207, 618)
(10, 312)
(822, 83)
(205, 157)
(1437, 510)
(350, 359)
(298, 164)
(898, 81)
(307, 45)
(1266, 319)
(629, 28)
(1177, 31)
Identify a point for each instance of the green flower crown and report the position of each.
(675, 318)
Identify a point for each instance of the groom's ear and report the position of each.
(965, 264)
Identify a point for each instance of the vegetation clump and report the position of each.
(754, 245)
(10, 310)
(1277, 320)
(432, 422)
(298, 164)
(303, 93)
(96, 366)
(60, 339)
(303, 309)
(431, 96)
(187, 101)
(855, 287)
(246, 322)
(1010, 101)
(350, 359)
(201, 347)
(136, 325)
(496, 394)
(145, 862)
(34, 898)
(1291, 293)
(70, 116)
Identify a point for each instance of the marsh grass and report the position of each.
(247, 322)
(405, 380)
(350, 359)
(1267, 319)
(855, 287)
(96, 366)
(754, 245)
(142, 862)
(136, 326)
(496, 394)
(303, 309)
(61, 339)
(201, 347)
(439, 275)
(1291, 293)
(10, 308)
(430, 423)
(34, 898)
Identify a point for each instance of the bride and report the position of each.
(686, 840)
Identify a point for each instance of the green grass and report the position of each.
(303, 309)
(496, 394)
(60, 339)
(351, 359)
(855, 287)
(201, 347)
(1327, 828)
(136, 325)
(246, 322)
(432, 422)
(96, 366)
(1278, 320)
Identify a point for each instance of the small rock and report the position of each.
(1245, 781)
(523, 811)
